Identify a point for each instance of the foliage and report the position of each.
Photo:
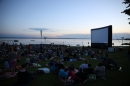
(127, 10)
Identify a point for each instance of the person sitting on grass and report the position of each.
(53, 68)
(60, 65)
(6, 63)
(71, 67)
(112, 63)
(71, 75)
(63, 73)
(80, 76)
(100, 71)
(84, 65)
(105, 62)
(50, 63)
(24, 77)
(40, 57)
(90, 69)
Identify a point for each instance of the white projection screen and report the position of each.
(101, 37)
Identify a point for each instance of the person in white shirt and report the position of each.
(84, 65)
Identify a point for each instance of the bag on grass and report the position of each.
(40, 72)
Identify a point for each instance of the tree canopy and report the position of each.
(127, 10)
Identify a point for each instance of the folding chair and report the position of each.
(68, 83)
(85, 80)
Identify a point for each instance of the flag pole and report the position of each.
(41, 36)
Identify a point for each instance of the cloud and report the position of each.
(28, 30)
(14, 35)
(38, 29)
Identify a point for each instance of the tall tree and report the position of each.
(127, 10)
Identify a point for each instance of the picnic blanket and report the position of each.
(9, 74)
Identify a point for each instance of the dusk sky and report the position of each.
(61, 18)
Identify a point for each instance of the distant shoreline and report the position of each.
(50, 38)
(42, 38)
(127, 39)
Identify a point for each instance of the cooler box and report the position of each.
(111, 49)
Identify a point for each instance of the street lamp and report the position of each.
(82, 43)
(122, 40)
(45, 39)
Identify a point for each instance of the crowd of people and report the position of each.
(34, 53)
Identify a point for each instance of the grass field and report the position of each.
(113, 77)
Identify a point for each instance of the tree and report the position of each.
(127, 10)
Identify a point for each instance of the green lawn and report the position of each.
(113, 77)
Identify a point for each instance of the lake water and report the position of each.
(71, 42)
